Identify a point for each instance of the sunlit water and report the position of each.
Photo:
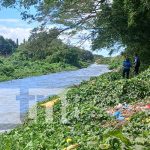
(17, 96)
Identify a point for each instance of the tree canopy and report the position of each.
(45, 46)
(7, 46)
(125, 22)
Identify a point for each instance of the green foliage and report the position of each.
(45, 45)
(43, 53)
(128, 25)
(101, 59)
(113, 62)
(116, 62)
(42, 44)
(7, 46)
(125, 22)
(115, 139)
(86, 117)
(14, 69)
(67, 56)
(7, 70)
(121, 22)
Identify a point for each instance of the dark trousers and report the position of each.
(136, 70)
(126, 73)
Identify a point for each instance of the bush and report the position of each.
(67, 56)
(7, 70)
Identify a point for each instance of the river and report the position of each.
(17, 96)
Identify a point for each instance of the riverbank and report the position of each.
(21, 92)
(86, 118)
(35, 69)
(30, 59)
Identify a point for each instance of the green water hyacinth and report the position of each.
(86, 118)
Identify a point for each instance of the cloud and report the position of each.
(14, 33)
(76, 40)
(9, 20)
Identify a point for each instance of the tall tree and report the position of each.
(7, 46)
(125, 22)
(42, 44)
(17, 42)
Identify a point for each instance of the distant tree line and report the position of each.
(44, 45)
(7, 46)
(42, 53)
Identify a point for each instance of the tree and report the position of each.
(7, 46)
(41, 44)
(85, 55)
(68, 56)
(17, 42)
(125, 22)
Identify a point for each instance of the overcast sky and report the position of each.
(12, 26)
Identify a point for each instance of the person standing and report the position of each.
(136, 64)
(126, 68)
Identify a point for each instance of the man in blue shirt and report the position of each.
(136, 64)
(126, 68)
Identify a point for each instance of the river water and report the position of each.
(17, 96)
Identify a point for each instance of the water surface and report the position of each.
(17, 96)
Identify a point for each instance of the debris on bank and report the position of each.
(50, 103)
(123, 112)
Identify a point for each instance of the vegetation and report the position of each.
(7, 46)
(101, 59)
(87, 118)
(13, 69)
(118, 22)
(39, 56)
(88, 126)
(113, 62)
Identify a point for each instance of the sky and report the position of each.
(12, 26)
